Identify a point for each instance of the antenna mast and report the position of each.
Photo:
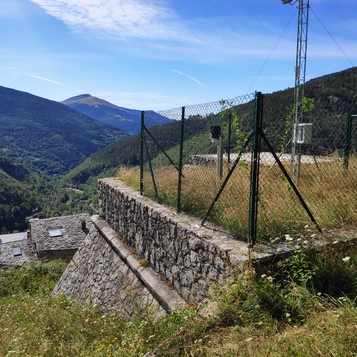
(300, 72)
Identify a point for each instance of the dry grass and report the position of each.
(328, 333)
(306, 307)
(327, 188)
(279, 313)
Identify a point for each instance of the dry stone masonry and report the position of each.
(139, 253)
(188, 256)
(104, 272)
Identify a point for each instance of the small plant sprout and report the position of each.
(144, 263)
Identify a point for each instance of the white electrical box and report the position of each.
(303, 133)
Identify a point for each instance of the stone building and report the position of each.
(16, 249)
(59, 237)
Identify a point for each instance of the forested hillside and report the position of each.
(50, 139)
(333, 94)
(46, 136)
(21, 195)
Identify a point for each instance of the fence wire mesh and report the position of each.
(201, 177)
(182, 165)
(322, 167)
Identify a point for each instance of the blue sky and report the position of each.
(162, 54)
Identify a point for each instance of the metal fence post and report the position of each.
(229, 139)
(347, 146)
(180, 160)
(254, 174)
(142, 153)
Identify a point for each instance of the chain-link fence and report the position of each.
(320, 161)
(203, 163)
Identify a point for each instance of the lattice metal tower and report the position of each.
(300, 72)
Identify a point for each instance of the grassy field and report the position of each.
(328, 189)
(33, 323)
(304, 305)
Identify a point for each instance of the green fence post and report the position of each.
(254, 173)
(229, 139)
(347, 146)
(180, 160)
(142, 153)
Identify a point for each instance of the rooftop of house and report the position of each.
(16, 249)
(59, 233)
(13, 237)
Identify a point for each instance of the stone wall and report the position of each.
(188, 256)
(104, 272)
(139, 253)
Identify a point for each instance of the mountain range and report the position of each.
(126, 119)
(46, 136)
(47, 147)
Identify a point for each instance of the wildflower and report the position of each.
(346, 259)
(101, 346)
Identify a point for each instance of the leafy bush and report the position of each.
(33, 278)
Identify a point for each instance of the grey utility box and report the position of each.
(303, 133)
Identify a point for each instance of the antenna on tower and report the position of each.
(300, 72)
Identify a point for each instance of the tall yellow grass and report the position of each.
(328, 189)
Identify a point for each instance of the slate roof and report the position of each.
(24, 252)
(67, 232)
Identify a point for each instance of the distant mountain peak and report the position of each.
(78, 97)
(60, 139)
(125, 119)
(88, 100)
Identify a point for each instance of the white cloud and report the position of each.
(185, 75)
(150, 29)
(118, 18)
(150, 24)
(44, 79)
